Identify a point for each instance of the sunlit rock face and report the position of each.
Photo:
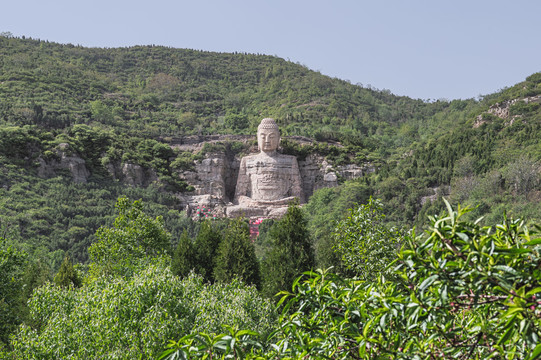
(258, 185)
(64, 161)
(267, 181)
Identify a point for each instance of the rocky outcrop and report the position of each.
(317, 173)
(501, 110)
(215, 177)
(434, 193)
(77, 168)
(64, 161)
(133, 174)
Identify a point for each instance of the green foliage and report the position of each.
(185, 161)
(534, 78)
(233, 344)
(364, 242)
(291, 251)
(207, 244)
(521, 108)
(54, 217)
(131, 318)
(325, 208)
(134, 236)
(183, 259)
(114, 106)
(118, 106)
(460, 291)
(67, 275)
(11, 270)
(236, 256)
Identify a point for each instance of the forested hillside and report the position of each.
(63, 105)
(124, 105)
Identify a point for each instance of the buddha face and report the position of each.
(268, 140)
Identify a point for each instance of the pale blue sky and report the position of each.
(423, 49)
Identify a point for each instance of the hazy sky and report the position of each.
(423, 49)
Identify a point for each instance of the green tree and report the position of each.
(36, 274)
(183, 260)
(460, 291)
(291, 251)
(236, 256)
(326, 207)
(133, 318)
(133, 237)
(207, 244)
(365, 243)
(11, 269)
(101, 112)
(67, 275)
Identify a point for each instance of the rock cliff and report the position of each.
(214, 179)
(63, 160)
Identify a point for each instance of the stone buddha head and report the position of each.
(268, 135)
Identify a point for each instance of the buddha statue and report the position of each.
(268, 179)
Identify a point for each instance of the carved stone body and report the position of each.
(266, 181)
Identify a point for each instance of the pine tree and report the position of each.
(207, 243)
(291, 252)
(236, 256)
(183, 261)
(67, 276)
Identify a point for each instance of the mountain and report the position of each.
(75, 122)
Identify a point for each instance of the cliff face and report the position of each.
(215, 177)
(212, 178)
(64, 161)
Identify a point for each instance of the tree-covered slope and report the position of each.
(162, 91)
(114, 106)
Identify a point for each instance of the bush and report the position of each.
(365, 243)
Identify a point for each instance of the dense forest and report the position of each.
(68, 252)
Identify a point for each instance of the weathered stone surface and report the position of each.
(219, 189)
(45, 170)
(136, 175)
(77, 168)
(74, 164)
(268, 178)
(267, 181)
(133, 174)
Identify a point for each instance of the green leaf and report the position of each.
(536, 353)
(450, 211)
(247, 332)
(513, 250)
(506, 335)
(367, 327)
(506, 268)
(382, 322)
(533, 242)
(533, 291)
(427, 282)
